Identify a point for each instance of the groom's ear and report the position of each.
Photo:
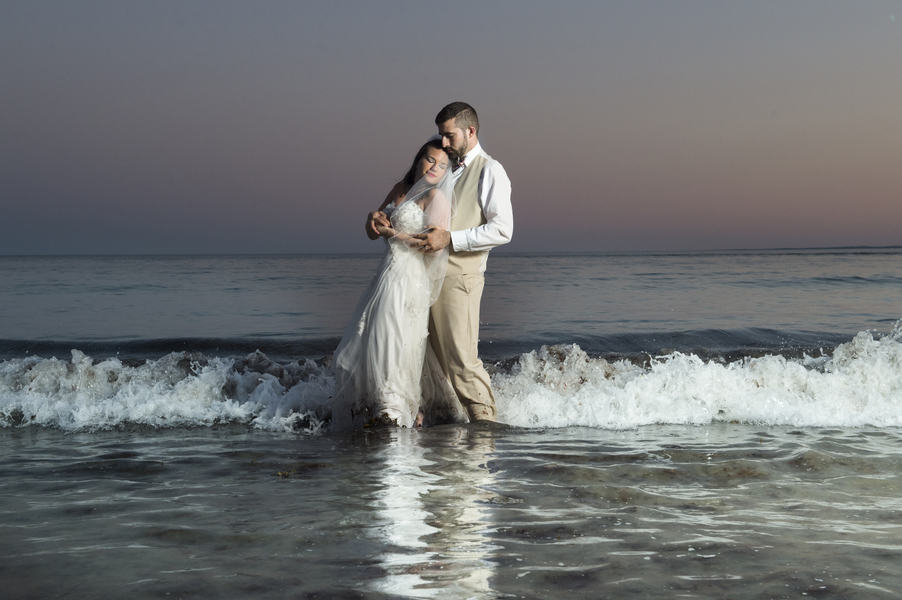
(471, 132)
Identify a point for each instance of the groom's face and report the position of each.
(454, 139)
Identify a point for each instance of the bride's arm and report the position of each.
(385, 231)
(438, 209)
(398, 235)
(377, 219)
(436, 237)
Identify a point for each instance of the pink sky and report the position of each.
(218, 127)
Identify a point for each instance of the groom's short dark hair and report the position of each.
(463, 114)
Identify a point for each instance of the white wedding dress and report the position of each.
(385, 369)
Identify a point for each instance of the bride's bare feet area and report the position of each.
(418, 423)
(381, 420)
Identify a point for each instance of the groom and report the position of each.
(483, 219)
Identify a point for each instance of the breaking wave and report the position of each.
(858, 383)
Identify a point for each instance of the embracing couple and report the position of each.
(409, 355)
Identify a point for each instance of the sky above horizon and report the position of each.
(274, 127)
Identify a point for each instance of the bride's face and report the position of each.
(433, 165)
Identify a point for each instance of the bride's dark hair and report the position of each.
(410, 178)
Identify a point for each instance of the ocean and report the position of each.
(704, 425)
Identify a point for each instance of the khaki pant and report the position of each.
(454, 334)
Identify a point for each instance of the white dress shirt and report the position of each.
(495, 200)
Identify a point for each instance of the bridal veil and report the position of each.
(437, 203)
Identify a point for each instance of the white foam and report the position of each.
(172, 391)
(559, 386)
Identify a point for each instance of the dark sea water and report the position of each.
(709, 425)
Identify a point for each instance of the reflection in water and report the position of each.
(401, 517)
(431, 512)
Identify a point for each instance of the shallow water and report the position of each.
(724, 510)
(678, 425)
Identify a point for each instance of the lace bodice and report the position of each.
(408, 218)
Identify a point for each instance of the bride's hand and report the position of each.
(433, 240)
(374, 221)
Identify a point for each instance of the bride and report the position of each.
(385, 369)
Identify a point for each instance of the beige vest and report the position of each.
(468, 214)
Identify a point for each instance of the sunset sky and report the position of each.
(274, 127)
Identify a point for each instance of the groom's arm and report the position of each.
(495, 201)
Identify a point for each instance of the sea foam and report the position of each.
(560, 386)
(858, 384)
(177, 390)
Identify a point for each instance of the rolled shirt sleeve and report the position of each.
(495, 201)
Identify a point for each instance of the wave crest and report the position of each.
(561, 386)
(180, 389)
(858, 384)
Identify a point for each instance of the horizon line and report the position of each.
(500, 250)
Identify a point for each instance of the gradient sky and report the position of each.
(274, 127)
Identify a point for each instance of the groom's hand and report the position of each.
(434, 240)
(374, 221)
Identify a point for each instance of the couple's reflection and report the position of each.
(431, 512)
